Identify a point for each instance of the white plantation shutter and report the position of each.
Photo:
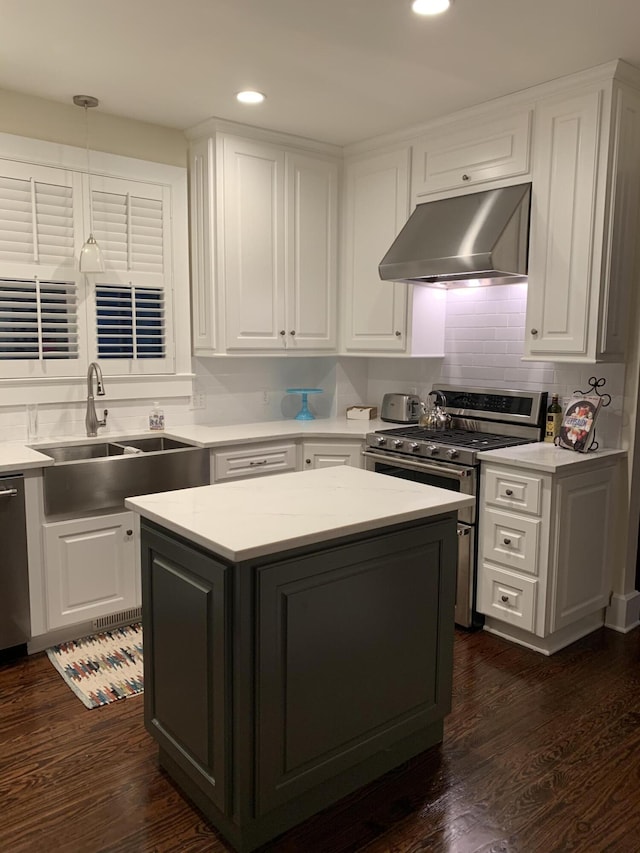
(133, 312)
(38, 323)
(36, 216)
(130, 228)
(130, 322)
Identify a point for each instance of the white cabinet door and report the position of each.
(253, 244)
(584, 225)
(472, 152)
(562, 225)
(584, 546)
(311, 228)
(327, 454)
(377, 206)
(90, 568)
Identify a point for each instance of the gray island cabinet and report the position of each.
(298, 638)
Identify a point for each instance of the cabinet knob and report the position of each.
(282, 332)
(507, 541)
(504, 598)
(534, 331)
(508, 492)
(307, 462)
(398, 334)
(129, 532)
(466, 178)
(292, 332)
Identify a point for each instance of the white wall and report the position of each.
(38, 118)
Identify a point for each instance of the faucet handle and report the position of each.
(103, 422)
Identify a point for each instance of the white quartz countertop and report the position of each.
(213, 436)
(253, 518)
(17, 456)
(543, 456)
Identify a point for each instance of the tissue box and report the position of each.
(362, 413)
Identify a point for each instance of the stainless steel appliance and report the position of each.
(400, 408)
(481, 235)
(481, 419)
(14, 578)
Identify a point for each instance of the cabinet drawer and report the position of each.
(254, 461)
(511, 540)
(510, 490)
(464, 155)
(507, 596)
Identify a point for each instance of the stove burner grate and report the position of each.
(475, 440)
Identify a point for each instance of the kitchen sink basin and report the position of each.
(98, 476)
(76, 452)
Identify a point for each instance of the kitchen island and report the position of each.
(298, 638)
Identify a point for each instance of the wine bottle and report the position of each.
(554, 420)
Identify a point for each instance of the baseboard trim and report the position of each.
(623, 614)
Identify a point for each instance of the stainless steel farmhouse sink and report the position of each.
(95, 476)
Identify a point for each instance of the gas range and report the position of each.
(482, 419)
(459, 445)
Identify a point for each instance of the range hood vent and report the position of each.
(479, 238)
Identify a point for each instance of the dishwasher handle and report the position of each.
(8, 493)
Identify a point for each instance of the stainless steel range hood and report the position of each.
(446, 243)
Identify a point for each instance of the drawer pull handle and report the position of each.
(509, 492)
(255, 462)
(466, 177)
(8, 493)
(504, 598)
(507, 541)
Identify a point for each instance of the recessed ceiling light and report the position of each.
(250, 97)
(430, 7)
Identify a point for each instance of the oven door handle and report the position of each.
(434, 467)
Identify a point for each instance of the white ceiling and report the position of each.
(333, 70)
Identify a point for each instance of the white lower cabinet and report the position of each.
(253, 460)
(327, 454)
(544, 555)
(90, 568)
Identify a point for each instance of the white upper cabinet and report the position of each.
(252, 244)
(264, 247)
(472, 152)
(584, 223)
(377, 206)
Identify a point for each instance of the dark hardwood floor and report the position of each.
(540, 754)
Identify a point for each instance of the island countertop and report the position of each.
(253, 518)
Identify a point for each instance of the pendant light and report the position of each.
(91, 259)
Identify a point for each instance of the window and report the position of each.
(53, 319)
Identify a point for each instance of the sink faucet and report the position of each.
(91, 420)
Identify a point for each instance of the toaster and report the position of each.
(400, 408)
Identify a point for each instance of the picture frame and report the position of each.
(578, 422)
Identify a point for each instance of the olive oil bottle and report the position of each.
(554, 420)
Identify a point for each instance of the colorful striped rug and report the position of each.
(104, 667)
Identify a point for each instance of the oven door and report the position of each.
(455, 478)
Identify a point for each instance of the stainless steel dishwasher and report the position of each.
(14, 576)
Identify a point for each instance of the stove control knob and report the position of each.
(433, 450)
(452, 454)
(397, 442)
(414, 446)
(381, 440)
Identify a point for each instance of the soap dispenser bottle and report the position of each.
(156, 417)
